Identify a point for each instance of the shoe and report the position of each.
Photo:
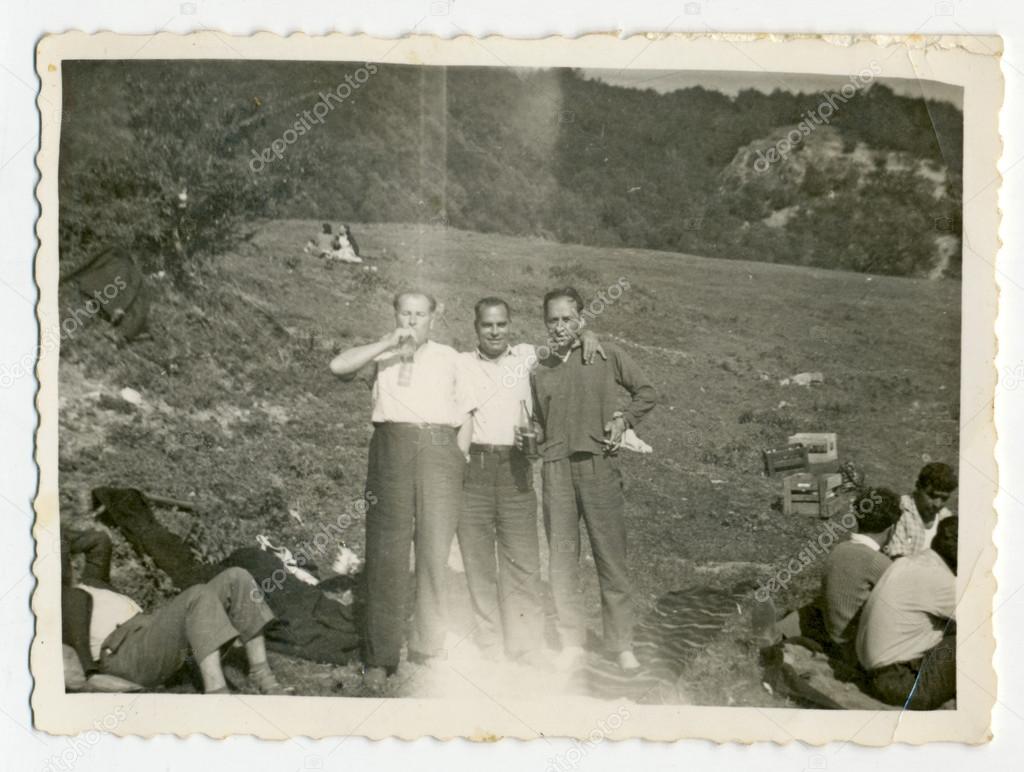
(427, 660)
(375, 678)
(492, 654)
(536, 659)
(103, 682)
(267, 683)
(628, 661)
(569, 657)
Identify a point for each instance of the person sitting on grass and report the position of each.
(854, 568)
(323, 244)
(923, 510)
(148, 648)
(907, 636)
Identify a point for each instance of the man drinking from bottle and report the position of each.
(413, 482)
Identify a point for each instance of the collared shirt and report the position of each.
(436, 393)
(574, 401)
(496, 388)
(867, 541)
(852, 571)
(907, 612)
(911, 535)
(109, 609)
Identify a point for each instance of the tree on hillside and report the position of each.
(179, 188)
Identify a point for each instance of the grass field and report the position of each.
(241, 413)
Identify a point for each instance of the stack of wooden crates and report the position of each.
(813, 482)
(805, 493)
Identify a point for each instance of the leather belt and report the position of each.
(478, 447)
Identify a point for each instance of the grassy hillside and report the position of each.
(240, 412)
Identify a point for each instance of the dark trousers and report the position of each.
(924, 684)
(588, 486)
(500, 510)
(150, 648)
(414, 490)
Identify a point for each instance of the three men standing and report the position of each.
(444, 422)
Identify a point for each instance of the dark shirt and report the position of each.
(574, 401)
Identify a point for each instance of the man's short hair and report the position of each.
(564, 292)
(490, 302)
(937, 477)
(945, 540)
(876, 509)
(403, 293)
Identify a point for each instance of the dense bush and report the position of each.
(168, 179)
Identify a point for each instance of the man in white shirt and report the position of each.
(413, 483)
(906, 640)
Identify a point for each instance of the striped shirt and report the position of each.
(853, 569)
(911, 535)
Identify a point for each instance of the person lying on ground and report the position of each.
(148, 648)
(852, 570)
(923, 510)
(907, 635)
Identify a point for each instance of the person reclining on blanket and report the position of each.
(907, 636)
(852, 570)
(923, 510)
(149, 648)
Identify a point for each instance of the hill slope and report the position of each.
(240, 412)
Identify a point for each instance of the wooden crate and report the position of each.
(784, 459)
(822, 447)
(805, 493)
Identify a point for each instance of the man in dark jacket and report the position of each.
(575, 408)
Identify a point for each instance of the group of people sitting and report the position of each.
(331, 246)
(887, 606)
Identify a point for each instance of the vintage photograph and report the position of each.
(511, 381)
